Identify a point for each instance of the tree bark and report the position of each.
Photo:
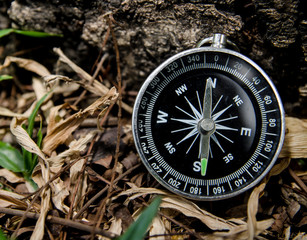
(271, 32)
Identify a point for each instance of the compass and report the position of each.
(208, 123)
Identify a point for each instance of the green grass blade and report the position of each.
(29, 161)
(36, 34)
(5, 32)
(27, 158)
(5, 77)
(31, 119)
(138, 229)
(11, 158)
(39, 143)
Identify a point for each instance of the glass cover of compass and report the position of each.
(208, 123)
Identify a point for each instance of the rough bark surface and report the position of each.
(271, 32)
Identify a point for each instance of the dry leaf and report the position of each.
(75, 172)
(105, 161)
(279, 167)
(8, 113)
(24, 139)
(53, 82)
(240, 232)
(24, 230)
(87, 80)
(48, 79)
(115, 228)
(39, 88)
(27, 64)
(9, 198)
(287, 233)
(10, 176)
(54, 118)
(295, 144)
(252, 209)
(40, 91)
(157, 227)
(131, 160)
(75, 147)
(26, 114)
(182, 205)
(63, 130)
(59, 193)
(190, 209)
(38, 232)
(300, 236)
(120, 211)
(138, 179)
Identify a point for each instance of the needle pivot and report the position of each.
(206, 126)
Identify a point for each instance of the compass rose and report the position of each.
(194, 115)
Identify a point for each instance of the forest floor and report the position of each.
(88, 181)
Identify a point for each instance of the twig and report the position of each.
(191, 232)
(79, 179)
(102, 47)
(168, 235)
(102, 191)
(101, 210)
(105, 116)
(119, 115)
(58, 220)
(93, 173)
(99, 65)
(78, 184)
(104, 57)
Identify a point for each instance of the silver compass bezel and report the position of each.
(149, 80)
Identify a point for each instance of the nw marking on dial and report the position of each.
(195, 115)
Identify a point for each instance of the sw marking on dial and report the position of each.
(208, 123)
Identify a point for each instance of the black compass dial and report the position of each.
(208, 123)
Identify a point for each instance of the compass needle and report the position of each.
(208, 123)
(204, 164)
(206, 127)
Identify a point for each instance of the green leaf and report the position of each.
(5, 32)
(37, 34)
(138, 229)
(11, 158)
(5, 77)
(2, 235)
